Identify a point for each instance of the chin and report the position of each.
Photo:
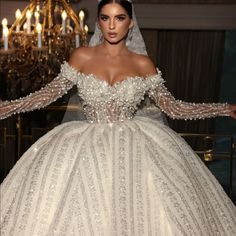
(115, 40)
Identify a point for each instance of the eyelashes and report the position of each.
(121, 18)
(106, 18)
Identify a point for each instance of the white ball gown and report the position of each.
(115, 173)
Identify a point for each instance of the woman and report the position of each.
(114, 174)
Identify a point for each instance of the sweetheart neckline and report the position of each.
(127, 78)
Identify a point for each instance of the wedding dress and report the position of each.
(115, 173)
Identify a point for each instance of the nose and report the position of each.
(112, 24)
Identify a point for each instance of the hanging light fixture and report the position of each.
(41, 38)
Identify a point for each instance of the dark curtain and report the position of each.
(191, 62)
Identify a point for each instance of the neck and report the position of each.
(114, 49)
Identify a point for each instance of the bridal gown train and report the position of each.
(116, 173)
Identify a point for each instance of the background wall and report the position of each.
(155, 16)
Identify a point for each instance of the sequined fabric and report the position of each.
(118, 174)
(51, 92)
(105, 103)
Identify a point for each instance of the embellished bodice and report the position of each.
(105, 103)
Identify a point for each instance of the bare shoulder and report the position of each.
(80, 56)
(145, 65)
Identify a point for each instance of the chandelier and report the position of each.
(32, 50)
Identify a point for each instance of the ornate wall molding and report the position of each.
(157, 16)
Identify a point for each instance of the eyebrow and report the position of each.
(115, 15)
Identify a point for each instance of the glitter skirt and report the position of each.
(136, 177)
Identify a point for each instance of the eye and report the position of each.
(120, 18)
(104, 18)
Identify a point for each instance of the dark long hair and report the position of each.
(124, 3)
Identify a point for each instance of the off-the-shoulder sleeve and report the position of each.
(177, 109)
(59, 86)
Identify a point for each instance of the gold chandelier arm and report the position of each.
(73, 16)
(22, 19)
(44, 17)
(48, 15)
(50, 19)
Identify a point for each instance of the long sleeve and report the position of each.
(59, 86)
(177, 109)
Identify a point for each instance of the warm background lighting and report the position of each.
(33, 48)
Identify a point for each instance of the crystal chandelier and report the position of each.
(34, 47)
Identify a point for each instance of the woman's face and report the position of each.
(114, 22)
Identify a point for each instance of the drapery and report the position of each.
(191, 62)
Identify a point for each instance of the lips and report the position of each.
(112, 35)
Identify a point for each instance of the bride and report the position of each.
(115, 173)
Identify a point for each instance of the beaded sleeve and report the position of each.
(59, 86)
(177, 109)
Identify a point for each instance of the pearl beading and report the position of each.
(107, 104)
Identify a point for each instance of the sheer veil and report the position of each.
(135, 43)
(134, 40)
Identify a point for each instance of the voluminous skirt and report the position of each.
(136, 177)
